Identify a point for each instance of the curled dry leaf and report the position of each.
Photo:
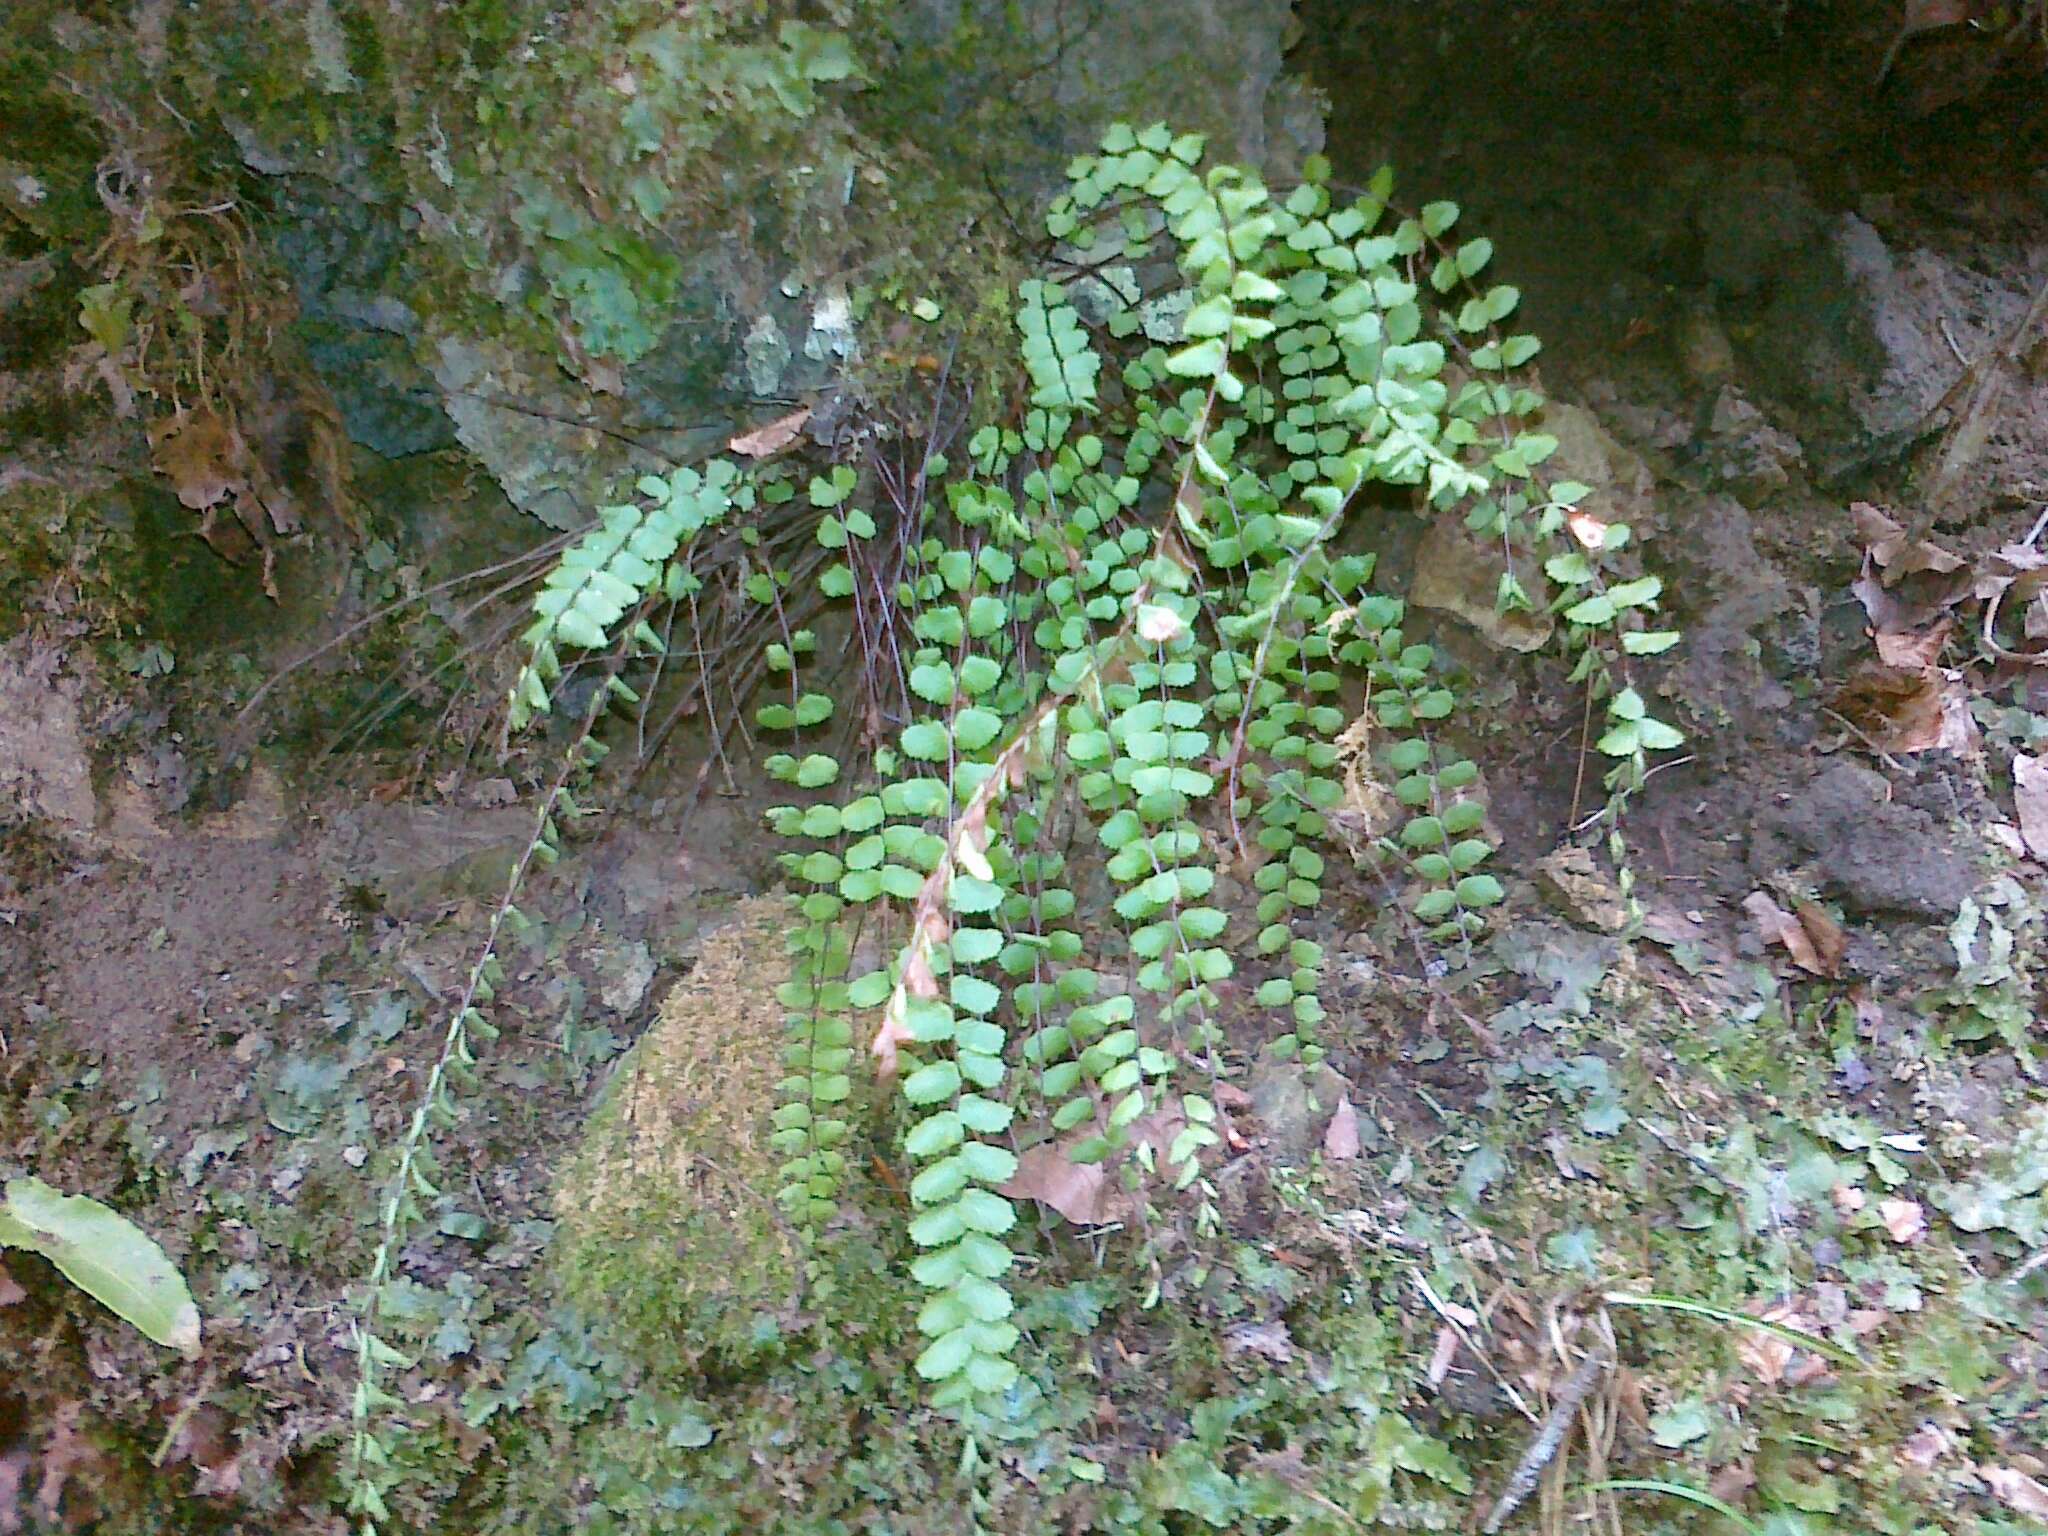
(1340, 1141)
(1906, 710)
(1081, 1192)
(773, 438)
(2030, 795)
(1914, 650)
(918, 982)
(1813, 939)
(1886, 542)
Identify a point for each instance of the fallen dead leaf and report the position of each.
(1886, 542)
(1081, 1192)
(1904, 1219)
(2017, 1491)
(1906, 709)
(1730, 1483)
(1768, 1355)
(1914, 650)
(202, 455)
(1823, 932)
(1340, 1141)
(10, 1289)
(773, 438)
(2030, 796)
(1816, 949)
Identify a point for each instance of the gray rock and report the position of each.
(417, 859)
(1877, 854)
(1294, 1104)
(45, 770)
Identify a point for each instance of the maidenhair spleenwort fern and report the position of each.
(1137, 604)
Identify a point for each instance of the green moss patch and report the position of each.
(669, 1224)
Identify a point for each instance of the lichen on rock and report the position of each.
(669, 1222)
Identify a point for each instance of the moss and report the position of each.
(669, 1223)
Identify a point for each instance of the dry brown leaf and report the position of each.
(1730, 1483)
(1904, 1219)
(1932, 15)
(2030, 796)
(202, 455)
(773, 438)
(1793, 934)
(1886, 541)
(1081, 1192)
(1823, 933)
(1765, 1354)
(10, 1289)
(1914, 650)
(1340, 1141)
(1905, 710)
(2017, 1491)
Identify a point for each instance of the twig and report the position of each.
(1549, 1440)
(1442, 1310)
(1863, 736)
(1992, 604)
(1675, 762)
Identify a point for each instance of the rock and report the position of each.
(1458, 574)
(1624, 489)
(45, 770)
(625, 973)
(1573, 882)
(1750, 221)
(1750, 455)
(417, 859)
(1877, 854)
(1704, 351)
(1294, 1104)
(669, 1224)
(1719, 671)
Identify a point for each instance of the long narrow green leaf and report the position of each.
(105, 1255)
(1797, 1336)
(1678, 1491)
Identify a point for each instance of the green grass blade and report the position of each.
(1678, 1491)
(1798, 1336)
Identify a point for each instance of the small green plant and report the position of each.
(1131, 610)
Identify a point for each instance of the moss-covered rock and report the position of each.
(669, 1222)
